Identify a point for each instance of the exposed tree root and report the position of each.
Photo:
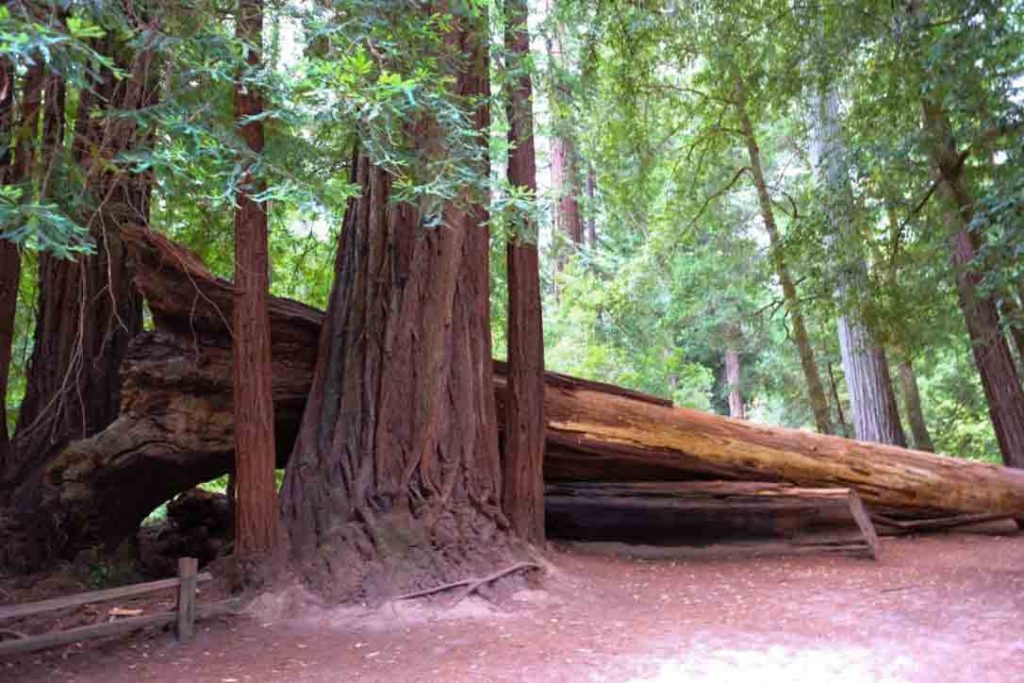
(471, 584)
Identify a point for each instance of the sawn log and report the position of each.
(175, 426)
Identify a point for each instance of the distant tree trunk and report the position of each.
(591, 218)
(912, 401)
(872, 397)
(394, 480)
(256, 509)
(564, 164)
(522, 466)
(842, 429)
(991, 353)
(815, 390)
(88, 310)
(732, 376)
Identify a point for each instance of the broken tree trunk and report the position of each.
(702, 513)
(175, 428)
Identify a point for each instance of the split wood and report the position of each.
(471, 584)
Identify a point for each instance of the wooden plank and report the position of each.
(72, 635)
(67, 601)
(112, 628)
(187, 568)
(863, 520)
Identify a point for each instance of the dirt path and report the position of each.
(946, 609)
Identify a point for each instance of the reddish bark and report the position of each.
(87, 310)
(16, 169)
(732, 379)
(523, 456)
(256, 491)
(394, 479)
(991, 353)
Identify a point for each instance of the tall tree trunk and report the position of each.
(912, 401)
(256, 510)
(17, 168)
(991, 353)
(394, 480)
(88, 310)
(732, 373)
(815, 390)
(872, 398)
(523, 456)
(564, 164)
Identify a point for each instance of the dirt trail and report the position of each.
(946, 609)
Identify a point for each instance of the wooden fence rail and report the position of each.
(184, 615)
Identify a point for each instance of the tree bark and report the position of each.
(19, 131)
(256, 509)
(912, 401)
(87, 309)
(523, 453)
(815, 390)
(732, 375)
(992, 356)
(394, 480)
(872, 398)
(564, 164)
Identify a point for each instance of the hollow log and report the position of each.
(174, 430)
(700, 513)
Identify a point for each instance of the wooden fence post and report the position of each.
(187, 571)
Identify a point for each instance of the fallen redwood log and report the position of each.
(700, 513)
(175, 427)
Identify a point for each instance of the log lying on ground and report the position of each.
(175, 428)
(701, 513)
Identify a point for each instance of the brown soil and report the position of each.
(944, 608)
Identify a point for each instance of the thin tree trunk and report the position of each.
(394, 480)
(523, 457)
(912, 401)
(88, 310)
(991, 353)
(872, 398)
(591, 218)
(842, 429)
(815, 390)
(256, 508)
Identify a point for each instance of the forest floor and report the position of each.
(940, 608)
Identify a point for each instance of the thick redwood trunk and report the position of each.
(523, 454)
(255, 507)
(87, 310)
(815, 390)
(991, 352)
(912, 402)
(394, 480)
(876, 415)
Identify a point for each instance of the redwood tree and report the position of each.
(394, 479)
(88, 310)
(522, 471)
(255, 490)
